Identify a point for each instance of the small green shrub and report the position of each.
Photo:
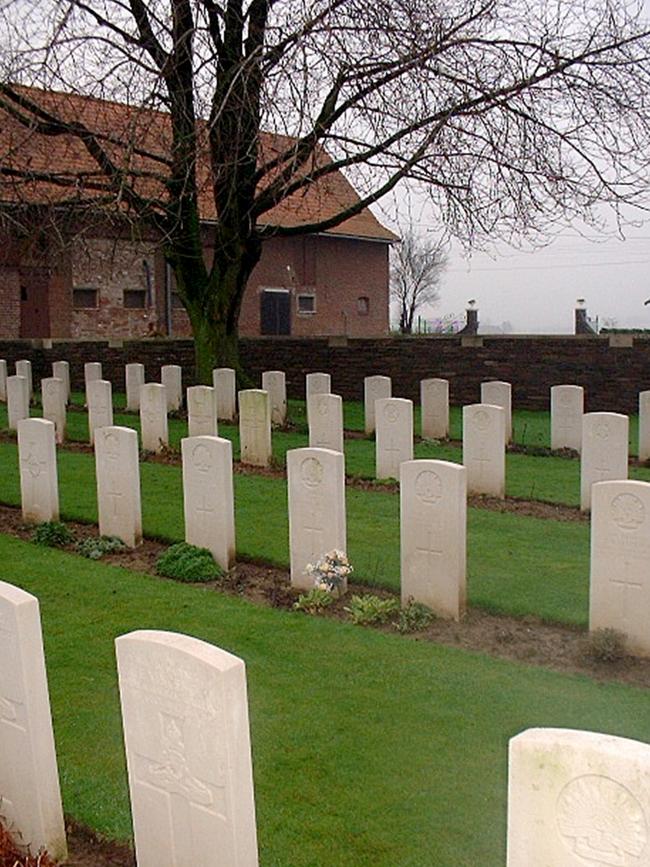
(94, 547)
(371, 609)
(413, 617)
(54, 534)
(314, 601)
(605, 645)
(185, 562)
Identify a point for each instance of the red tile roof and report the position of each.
(66, 156)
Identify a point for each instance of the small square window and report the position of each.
(135, 298)
(84, 298)
(363, 305)
(306, 303)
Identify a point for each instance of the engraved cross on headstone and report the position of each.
(429, 547)
(626, 586)
(314, 530)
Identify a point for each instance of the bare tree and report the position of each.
(511, 113)
(416, 268)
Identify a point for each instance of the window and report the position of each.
(363, 305)
(84, 297)
(135, 298)
(306, 303)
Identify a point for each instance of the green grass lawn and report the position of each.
(516, 565)
(368, 749)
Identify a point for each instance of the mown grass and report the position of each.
(368, 748)
(516, 565)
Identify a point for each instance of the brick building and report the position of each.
(70, 278)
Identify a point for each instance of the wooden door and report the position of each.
(34, 302)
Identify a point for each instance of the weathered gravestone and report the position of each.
(208, 496)
(17, 400)
(316, 383)
(644, 425)
(92, 372)
(54, 404)
(153, 417)
(224, 381)
(433, 521)
(134, 376)
(604, 451)
(30, 798)
(254, 427)
(578, 799)
(316, 483)
(619, 595)
(61, 370)
(24, 368)
(3, 380)
(274, 382)
(374, 388)
(118, 484)
(325, 414)
(498, 393)
(186, 732)
(567, 409)
(484, 449)
(201, 411)
(99, 397)
(393, 435)
(171, 376)
(434, 408)
(39, 489)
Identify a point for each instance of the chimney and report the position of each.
(471, 323)
(582, 325)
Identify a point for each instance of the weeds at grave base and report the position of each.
(53, 534)
(604, 645)
(94, 548)
(187, 563)
(371, 609)
(314, 601)
(413, 617)
(11, 856)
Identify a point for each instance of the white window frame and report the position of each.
(300, 295)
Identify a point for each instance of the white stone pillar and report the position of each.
(316, 483)
(567, 409)
(484, 449)
(201, 411)
(134, 377)
(255, 427)
(434, 408)
(274, 381)
(29, 779)
(99, 397)
(433, 522)
(374, 388)
(498, 393)
(92, 373)
(186, 733)
(3, 380)
(325, 414)
(61, 370)
(24, 368)
(54, 405)
(224, 381)
(17, 400)
(118, 484)
(208, 496)
(394, 435)
(604, 451)
(171, 376)
(153, 417)
(316, 383)
(39, 489)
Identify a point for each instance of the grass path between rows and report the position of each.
(516, 565)
(369, 750)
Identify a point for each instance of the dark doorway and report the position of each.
(275, 312)
(34, 302)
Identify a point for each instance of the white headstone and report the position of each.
(153, 417)
(134, 375)
(171, 376)
(17, 400)
(394, 435)
(99, 397)
(604, 451)
(433, 521)
(186, 732)
(274, 381)
(254, 427)
(224, 380)
(434, 408)
(578, 799)
(54, 404)
(325, 414)
(201, 411)
(61, 370)
(316, 482)
(92, 372)
(644, 425)
(619, 595)
(374, 388)
(567, 409)
(39, 488)
(208, 496)
(3, 380)
(498, 393)
(30, 797)
(24, 368)
(316, 383)
(484, 452)
(118, 484)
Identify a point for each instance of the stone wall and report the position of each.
(613, 369)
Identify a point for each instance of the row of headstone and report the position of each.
(186, 737)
